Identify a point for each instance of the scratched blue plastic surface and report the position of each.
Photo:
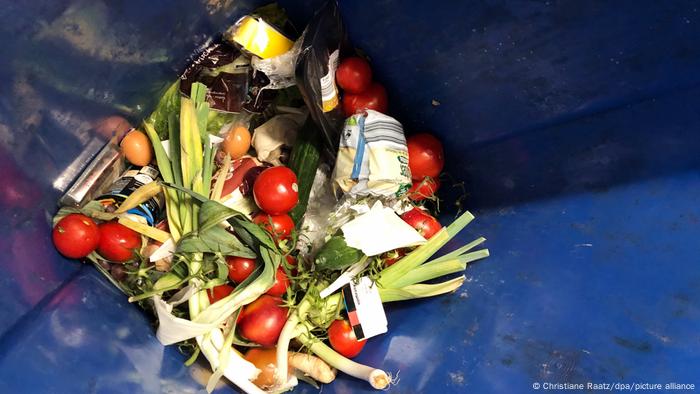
(573, 124)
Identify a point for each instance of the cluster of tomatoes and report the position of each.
(426, 160)
(261, 321)
(76, 236)
(275, 192)
(354, 76)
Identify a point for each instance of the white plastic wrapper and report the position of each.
(279, 69)
(380, 230)
(281, 130)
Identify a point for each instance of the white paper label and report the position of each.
(380, 230)
(345, 277)
(329, 92)
(365, 309)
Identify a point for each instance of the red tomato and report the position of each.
(239, 268)
(276, 190)
(393, 256)
(280, 226)
(354, 75)
(263, 319)
(372, 98)
(425, 156)
(423, 222)
(279, 288)
(343, 339)
(76, 236)
(423, 189)
(163, 225)
(236, 177)
(292, 262)
(218, 292)
(249, 179)
(118, 243)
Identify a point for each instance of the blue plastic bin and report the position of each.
(575, 126)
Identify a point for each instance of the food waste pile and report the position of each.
(269, 207)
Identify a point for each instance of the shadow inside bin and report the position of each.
(653, 137)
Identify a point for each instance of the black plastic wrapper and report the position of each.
(232, 88)
(323, 40)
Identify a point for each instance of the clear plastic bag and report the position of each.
(279, 69)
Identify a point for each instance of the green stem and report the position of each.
(437, 268)
(420, 290)
(423, 252)
(193, 357)
(195, 302)
(160, 290)
(460, 251)
(423, 273)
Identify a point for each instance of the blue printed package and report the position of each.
(372, 157)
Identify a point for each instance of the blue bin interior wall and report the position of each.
(574, 126)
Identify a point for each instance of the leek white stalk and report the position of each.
(238, 369)
(377, 378)
(289, 331)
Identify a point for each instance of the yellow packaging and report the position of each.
(259, 38)
(343, 168)
(388, 170)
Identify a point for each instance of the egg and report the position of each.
(237, 142)
(137, 148)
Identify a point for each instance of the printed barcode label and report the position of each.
(150, 171)
(365, 309)
(329, 92)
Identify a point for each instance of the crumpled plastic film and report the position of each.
(279, 69)
(372, 157)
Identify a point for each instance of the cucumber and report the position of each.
(336, 255)
(304, 160)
